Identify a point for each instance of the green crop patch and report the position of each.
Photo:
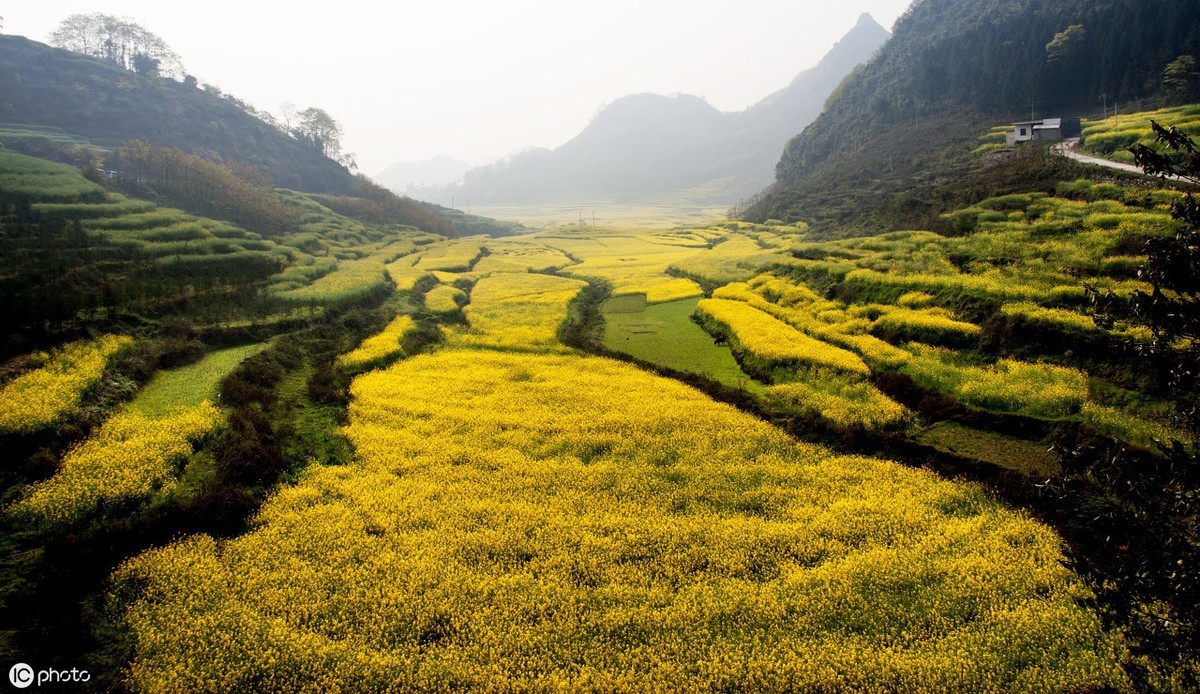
(665, 335)
(44, 181)
(188, 386)
(1027, 457)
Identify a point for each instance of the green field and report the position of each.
(190, 385)
(1027, 457)
(664, 334)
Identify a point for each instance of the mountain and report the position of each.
(766, 126)
(418, 174)
(96, 101)
(650, 143)
(953, 69)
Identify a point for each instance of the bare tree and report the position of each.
(288, 116)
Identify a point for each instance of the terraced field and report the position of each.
(497, 509)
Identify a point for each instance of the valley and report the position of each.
(921, 415)
(905, 343)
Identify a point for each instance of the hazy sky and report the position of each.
(471, 78)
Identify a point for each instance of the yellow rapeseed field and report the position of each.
(513, 255)
(444, 299)
(771, 339)
(404, 274)
(518, 309)
(533, 522)
(131, 456)
(454, 255)
(1030, 388)
(351, 279)
(378, 349)
(42, 397)
(633, 263)
(845, 402)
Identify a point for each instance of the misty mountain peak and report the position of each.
(866, 20)
(653, 142)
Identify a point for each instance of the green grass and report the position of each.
(1026, 457)
(628, 303)
(664, 334)
(44, 181)
(10, 132)
(315, 427)
(1031, 389)
(190, 385)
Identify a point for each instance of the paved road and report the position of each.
(1067, 149)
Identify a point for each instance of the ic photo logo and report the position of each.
(22, 676)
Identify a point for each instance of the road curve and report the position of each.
(1067, 149)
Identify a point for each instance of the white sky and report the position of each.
(471, 78)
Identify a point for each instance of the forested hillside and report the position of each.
(954, 68)
(94, 100)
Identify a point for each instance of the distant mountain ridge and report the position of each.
(437, 171)
(648, 143)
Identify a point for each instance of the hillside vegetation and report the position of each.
(98, 102)
(895, 132)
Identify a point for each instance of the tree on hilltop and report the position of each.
(319, 129)
(118, 40)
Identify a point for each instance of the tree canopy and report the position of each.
(316, 127)
(120, 41)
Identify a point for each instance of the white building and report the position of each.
(1045, 130)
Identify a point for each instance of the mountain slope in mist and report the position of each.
(649, 143)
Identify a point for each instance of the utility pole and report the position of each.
(1104, 113)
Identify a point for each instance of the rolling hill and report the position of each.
(96, 101)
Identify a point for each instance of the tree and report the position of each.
(1153, 504)
(1172, 308)
(120, 41)
(316, 127)
(145, 65)
(288, 115)
(1181, 78)
(1065, 43)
